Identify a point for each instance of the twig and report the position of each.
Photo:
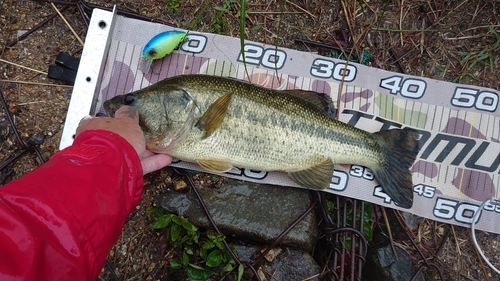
(35, 83)
(65, 21)
(302, 9)
(401, 22)
(31, 102)
(269, 13)
(378, 28)
(456, 240)
(386, 220)
(349, 24)
(311, 277)
(403, 220)
(465, 37)
(480, 260)
(22, 66)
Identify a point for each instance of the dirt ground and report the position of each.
(445, 40)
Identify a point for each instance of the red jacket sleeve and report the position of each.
(59, 221)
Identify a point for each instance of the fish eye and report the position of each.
(129, 99)
(152, 52)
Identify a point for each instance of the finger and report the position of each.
(148, 153)
(86, 118)
(84, 123)
(127, 113)
(155, 162)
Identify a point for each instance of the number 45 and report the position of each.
(424, 190)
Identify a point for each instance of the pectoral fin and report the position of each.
(213, 117)
(317, 177)
(215, 166)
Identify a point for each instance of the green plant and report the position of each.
(219, 23)
(226, 6)
(485, 57)
(367, 214)
(172, 6)
(196, 249)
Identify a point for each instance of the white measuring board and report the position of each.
(459, 160)
(88, 77)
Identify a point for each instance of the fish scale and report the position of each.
(305, 129)
(221, 123)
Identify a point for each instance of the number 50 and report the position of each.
(464, 97)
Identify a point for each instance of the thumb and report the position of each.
(128, 114)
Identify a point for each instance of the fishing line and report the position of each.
(473, 225)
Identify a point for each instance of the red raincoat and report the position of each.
(59, 221)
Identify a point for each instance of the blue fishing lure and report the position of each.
(163, 44)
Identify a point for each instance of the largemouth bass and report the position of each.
(221, 123)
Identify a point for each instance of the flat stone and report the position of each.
(248, 210)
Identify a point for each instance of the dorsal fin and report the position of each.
(213, 117)
(321, 101)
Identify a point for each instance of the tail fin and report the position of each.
(399, 149)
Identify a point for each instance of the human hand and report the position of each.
(126, 124)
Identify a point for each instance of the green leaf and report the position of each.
(226, 257)
(198, 273)
(195, 236)
(219, 244)
(222, 9)
(241, 269)
(175, 232)
(367, 232)
(204, 254)
(257, 27)
(465, 59)
(185, 259)
(188, 226)
(227, 268)
(214, 258)
(212, 235)
(182, 221)
(155, 212)
(175, 264)
(330, 205)
(189, 249)
(162, 221)
(177, 220)
(208, 245)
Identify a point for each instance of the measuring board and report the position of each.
(458, 164)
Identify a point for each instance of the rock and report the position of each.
(180, 185)
(36, 139)
(412, 220)
(249, 210)
(291, 265)
(272, 254)
(288, 264)
(381, 265)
